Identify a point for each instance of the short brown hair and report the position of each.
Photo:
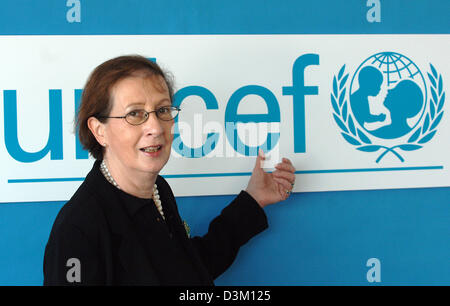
(96, 97)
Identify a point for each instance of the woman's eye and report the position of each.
(135, 113)
(163, 110)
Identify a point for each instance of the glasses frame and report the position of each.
(147, 114)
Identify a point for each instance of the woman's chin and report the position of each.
(152, 162)
(154, 166)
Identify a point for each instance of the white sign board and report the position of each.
(350, 111)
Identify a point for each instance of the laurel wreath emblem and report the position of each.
(356, 137)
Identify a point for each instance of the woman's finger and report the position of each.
(283, 192)
(285, 166)
(289, 176)
(285, 183)
(287, 160)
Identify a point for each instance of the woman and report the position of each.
(404, 101)
(122, 226)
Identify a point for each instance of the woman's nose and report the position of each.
(153, 125)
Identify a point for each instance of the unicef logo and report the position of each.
(385, 106)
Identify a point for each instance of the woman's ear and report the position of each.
(98, 130)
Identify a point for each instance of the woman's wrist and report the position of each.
(255, 197)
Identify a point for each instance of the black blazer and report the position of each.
(95, 228)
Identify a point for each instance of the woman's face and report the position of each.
(126, 142)
(391, 99)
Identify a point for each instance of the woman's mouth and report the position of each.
(151, 149)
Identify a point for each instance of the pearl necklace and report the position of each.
(111, 180)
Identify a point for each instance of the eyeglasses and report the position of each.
(136, 117)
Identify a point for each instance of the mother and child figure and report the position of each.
(403, 101)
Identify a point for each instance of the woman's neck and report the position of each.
(137, 183)
(399, 121)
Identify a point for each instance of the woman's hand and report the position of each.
(269, 188)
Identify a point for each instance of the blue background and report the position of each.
(321, 238)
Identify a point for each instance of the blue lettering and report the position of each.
(55, 139)
(212, 138)
(298, 91)
(232, 117)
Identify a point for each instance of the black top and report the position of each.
(146, 219)
(121, 239)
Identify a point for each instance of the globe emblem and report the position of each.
(388, 95)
